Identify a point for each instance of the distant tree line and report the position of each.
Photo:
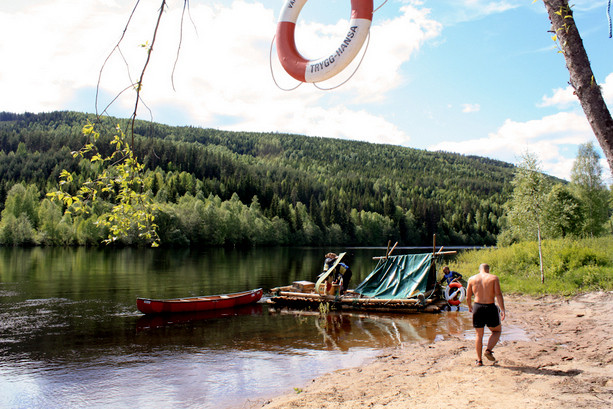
(214, 188)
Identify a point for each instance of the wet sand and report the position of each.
(566, 361)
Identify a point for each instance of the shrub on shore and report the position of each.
(571, 265)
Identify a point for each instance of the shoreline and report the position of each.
(567, 361)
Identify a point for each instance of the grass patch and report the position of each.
(571, 266)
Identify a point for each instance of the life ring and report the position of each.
(455, 298)
(324, 68)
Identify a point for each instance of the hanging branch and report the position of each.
(174, 66)
(118, 49)
(139, 84)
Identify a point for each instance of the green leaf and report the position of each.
(87, 129)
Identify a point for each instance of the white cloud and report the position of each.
(461, 11)
(335, 122)
(607, 89)
(249, 94)
(586, 5)
(562, 97)
(470, 108)
(553, 138)
(392, 44)
(565, 97)
(43, 64)
(494, 7)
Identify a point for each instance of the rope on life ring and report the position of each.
(609, 17)
(324, 68)
(457, 296)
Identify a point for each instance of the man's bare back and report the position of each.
(485, 287)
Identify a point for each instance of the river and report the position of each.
(71, 336)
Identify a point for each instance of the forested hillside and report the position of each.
(232, 188)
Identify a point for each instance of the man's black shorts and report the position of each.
(485, 314)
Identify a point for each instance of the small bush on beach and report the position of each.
(571, 265)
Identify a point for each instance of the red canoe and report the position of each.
(203, 303)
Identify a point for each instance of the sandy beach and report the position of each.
(566, 361)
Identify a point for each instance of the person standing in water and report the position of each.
(486, 289)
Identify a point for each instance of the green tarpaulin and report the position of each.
(396, 277)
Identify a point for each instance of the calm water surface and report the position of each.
(71, 336)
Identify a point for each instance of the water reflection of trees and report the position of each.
(83, 273)
(288, 331)
(345, 330)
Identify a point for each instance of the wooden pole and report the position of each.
(347, 300)
(387, 254)
(433, 245)
(439, 253)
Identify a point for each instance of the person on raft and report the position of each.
(486, 289)
(341, 275)
(329, 260)
(450, 276)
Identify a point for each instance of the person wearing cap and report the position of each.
(329, 260)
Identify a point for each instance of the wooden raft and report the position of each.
(281, 296)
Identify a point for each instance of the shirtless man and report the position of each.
(486, 288)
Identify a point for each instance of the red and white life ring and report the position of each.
(324, 68)
(457, 296)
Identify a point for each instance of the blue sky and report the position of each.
(476, 77)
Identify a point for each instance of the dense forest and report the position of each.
(216, 187)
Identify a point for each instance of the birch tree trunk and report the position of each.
(581, 75)
(542, 269)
